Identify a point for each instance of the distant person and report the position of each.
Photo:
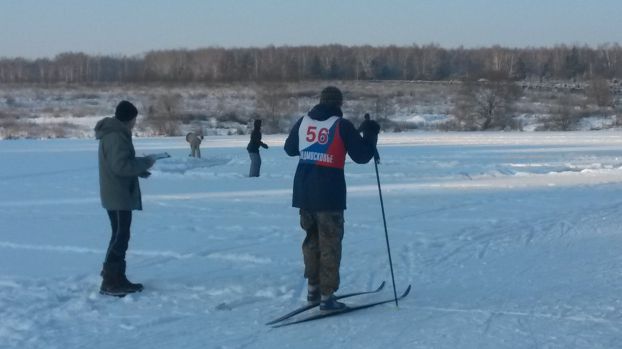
(321, 139)
(195, 139)
(369, 125)
(253, 149)
(119, 169)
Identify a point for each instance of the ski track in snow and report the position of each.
(369, 190)
(232, 257)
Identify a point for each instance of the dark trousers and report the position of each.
(120, 222)
(255, 164)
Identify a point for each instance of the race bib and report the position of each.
(320, 143)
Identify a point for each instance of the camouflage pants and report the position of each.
(321, 248)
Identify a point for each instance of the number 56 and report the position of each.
(321, 136)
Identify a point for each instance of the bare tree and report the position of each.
(274, 104)
(383, 108)
(286, 63)
(463, 111)
(599, 93)
(618, 113)
(163, 115)
(564, 115)
(484, 106)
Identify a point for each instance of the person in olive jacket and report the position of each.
(119, 169)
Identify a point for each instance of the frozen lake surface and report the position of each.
(510, 240)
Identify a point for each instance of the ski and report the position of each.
(347, 310)
(315, 304)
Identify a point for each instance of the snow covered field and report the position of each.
(510, 240)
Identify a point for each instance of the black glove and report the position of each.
(370, 134)
(145, 174)
(371, 131)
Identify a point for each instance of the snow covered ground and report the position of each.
(70, 111)
(510, 240)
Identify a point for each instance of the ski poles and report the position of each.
(386, 233)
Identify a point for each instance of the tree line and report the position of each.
(329, 62)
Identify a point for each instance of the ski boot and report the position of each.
(329, 304)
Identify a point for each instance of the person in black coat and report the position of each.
(322, 139)
(253, 149)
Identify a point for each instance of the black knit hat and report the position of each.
(125, 111)
(331, 96)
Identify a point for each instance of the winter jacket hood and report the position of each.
(110, 125)
(322, 112)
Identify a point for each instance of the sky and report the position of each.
(44, 28)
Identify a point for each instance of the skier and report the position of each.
(194, 139)
(119, 169)
(321, 139)
(253, 149)
(368, 125)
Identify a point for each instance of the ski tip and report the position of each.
(272, 322)
(277, 320)
(407, 291)
(381, 285)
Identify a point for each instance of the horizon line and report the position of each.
(429, 44)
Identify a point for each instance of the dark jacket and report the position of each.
(369, 126)
(255, 142)
(318, 188)
(118, 167)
